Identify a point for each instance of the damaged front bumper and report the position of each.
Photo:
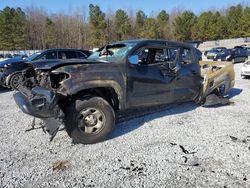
(38, 102)
(41, 103)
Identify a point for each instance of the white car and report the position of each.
(245, 70)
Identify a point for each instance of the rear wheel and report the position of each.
(15, 80)
(89, 120)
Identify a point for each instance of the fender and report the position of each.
(83, 77)
(71, 90)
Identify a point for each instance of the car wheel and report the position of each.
(89, 120)
(15, 80)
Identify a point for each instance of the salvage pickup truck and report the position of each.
(84, 96)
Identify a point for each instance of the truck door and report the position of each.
(188, 80)
(151, 81)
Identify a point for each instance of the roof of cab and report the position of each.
(159, 41)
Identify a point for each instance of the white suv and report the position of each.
(245, 70)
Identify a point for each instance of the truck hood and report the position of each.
(53, 64)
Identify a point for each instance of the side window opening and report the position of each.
(171, 54)
(151, 55)
(49, 55)
(62, 55)
(66, 55)
(157, 55)
(187, 56)
(143, 56)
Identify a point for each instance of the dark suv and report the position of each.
(218, 53)
(10, 70)
(236, 54)
(239, 54)
(60, 54)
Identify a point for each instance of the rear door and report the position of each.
(188, 81)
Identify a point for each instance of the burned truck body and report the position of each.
(85, 95)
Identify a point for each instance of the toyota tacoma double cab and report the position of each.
(84, 96)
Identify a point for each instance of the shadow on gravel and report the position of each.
(137, 118)
(3, 90)
(234, 92)
(133, 122)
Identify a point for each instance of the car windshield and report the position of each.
(113, 52)
(33, 56)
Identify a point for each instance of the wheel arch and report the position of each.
(7, 82)
(108, 93)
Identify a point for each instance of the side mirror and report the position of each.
(134, 59)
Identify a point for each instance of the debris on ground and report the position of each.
(60, 165)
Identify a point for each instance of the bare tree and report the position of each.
(36, 29)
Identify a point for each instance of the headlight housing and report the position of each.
(228, 57)
(7, 65)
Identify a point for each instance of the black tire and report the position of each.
(15, 80)
(78, 116)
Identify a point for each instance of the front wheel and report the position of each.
(89, 120)
(15, 80)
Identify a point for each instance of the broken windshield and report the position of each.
(113, 52)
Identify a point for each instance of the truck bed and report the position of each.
(217, 74)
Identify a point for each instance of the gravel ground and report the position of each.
(185, 146)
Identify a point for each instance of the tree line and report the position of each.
(35, 28)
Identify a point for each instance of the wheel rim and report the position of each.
(16, 80)
(91, 121)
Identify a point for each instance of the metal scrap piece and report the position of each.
(52, 126)
(33, 126)
(214, 100)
